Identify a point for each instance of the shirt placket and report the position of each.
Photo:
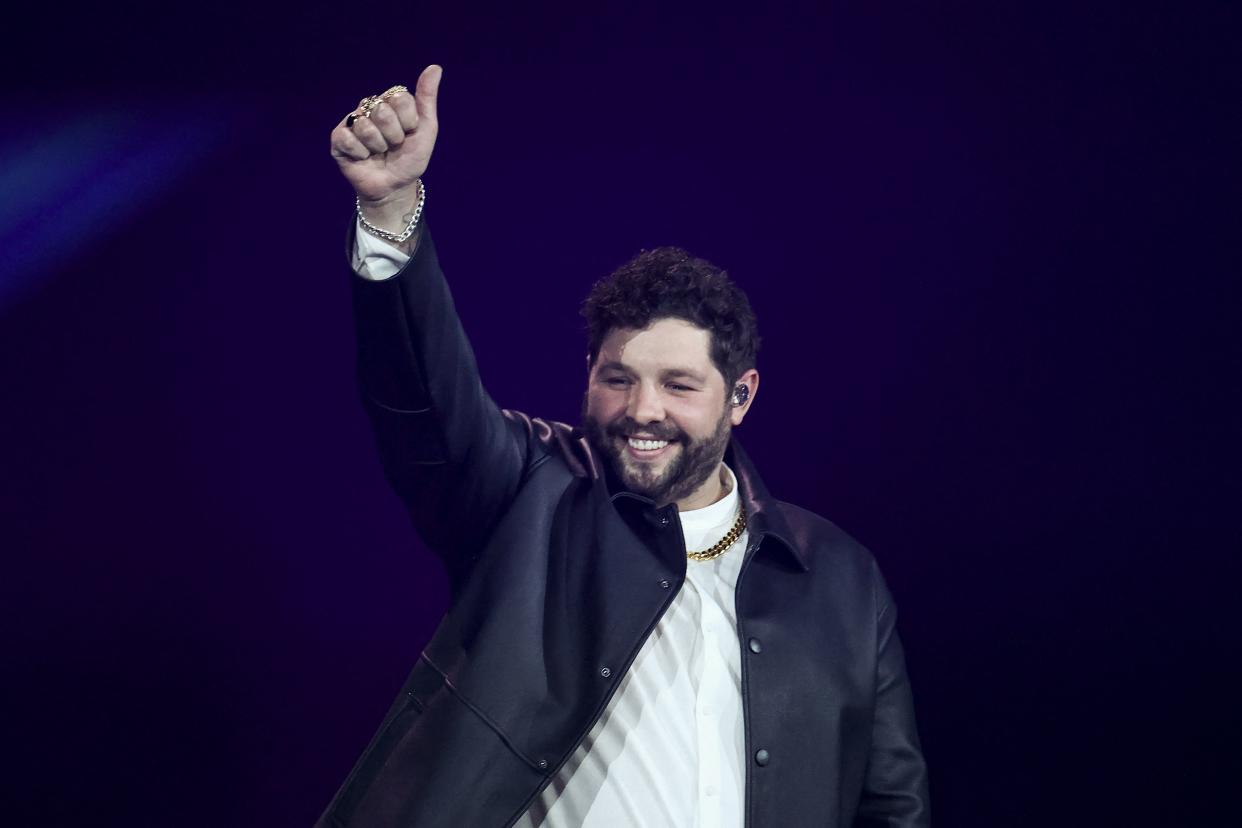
(711, 704)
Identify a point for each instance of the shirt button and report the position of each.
(710, 791)
(605, 672)
(756, 646)
(761, 758)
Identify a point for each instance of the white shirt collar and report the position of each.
(712, 521)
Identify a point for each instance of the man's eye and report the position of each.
(676, 386)
(617, 382)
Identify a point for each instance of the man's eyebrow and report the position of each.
(685, 373)
(667, 373)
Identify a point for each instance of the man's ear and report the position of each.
(742, 396)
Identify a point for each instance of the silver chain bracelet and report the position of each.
(409, 228)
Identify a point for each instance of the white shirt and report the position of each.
(669, 748)
(374, 258)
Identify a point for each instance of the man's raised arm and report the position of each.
(445, 447)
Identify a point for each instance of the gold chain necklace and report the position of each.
(724, 543)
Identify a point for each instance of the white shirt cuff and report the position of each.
(374, 258)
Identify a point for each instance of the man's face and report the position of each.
(656, 409)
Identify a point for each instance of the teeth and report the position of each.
(648, 445)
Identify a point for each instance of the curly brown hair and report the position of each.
(669, 282)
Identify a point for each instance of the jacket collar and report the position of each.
(764, 516)
(766, 521)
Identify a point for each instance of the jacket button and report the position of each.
(543, 764)
(605, 672)
(756, 646)
(761, 758)
(664, 521)
(665, 583)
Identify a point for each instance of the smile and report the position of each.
(646, 445)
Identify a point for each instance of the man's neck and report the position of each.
(714, 489)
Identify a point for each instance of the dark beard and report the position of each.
(696, 461)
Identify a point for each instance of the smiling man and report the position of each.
(639, 633)
(658, 404)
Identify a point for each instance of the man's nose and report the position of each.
(645, 405)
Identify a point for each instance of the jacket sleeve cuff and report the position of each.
(389, 370)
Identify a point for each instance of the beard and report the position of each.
(681, 476)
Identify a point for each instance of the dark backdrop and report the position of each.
(993, 250)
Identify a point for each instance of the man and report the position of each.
(639, 634)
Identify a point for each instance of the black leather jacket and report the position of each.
(558, 577)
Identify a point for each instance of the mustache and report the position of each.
(658, 431)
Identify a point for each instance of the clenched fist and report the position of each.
(384, 155)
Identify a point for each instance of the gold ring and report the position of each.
(393, 90)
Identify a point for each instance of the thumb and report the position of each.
(425, 91)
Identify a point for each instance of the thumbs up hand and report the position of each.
(383, 154)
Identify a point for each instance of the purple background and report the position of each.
(993, 250)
